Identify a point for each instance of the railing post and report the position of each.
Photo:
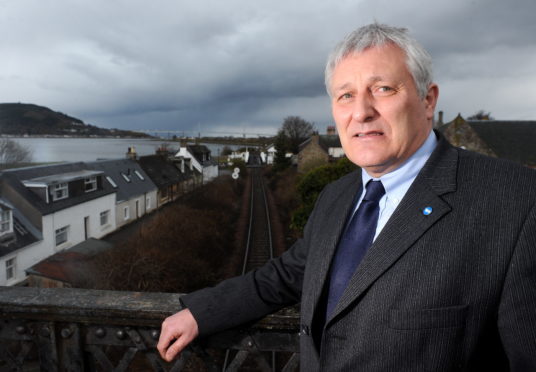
(46, 346)
(71, 351)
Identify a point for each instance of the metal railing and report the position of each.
(64, 329)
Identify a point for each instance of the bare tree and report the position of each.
(296, 130)
(481, 115)
(12, 152)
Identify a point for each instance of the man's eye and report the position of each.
(385, 89)
(346, 96)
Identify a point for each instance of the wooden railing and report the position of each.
(65, 329)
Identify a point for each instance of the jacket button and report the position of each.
(305, 330)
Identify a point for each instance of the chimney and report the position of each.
(331, 130)
(131, 153)
(439, 121)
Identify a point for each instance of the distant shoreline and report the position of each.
(69, 136)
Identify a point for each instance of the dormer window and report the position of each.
(125, 177)
(60, 191)
(5, 221)
(90, 183)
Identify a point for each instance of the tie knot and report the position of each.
(375, 191)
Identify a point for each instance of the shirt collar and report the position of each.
(397, 182)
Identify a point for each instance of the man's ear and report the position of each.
(430, 100)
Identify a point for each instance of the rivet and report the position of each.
(100, 332)
(21, 330)
(250, 344)
(120, 334)
(155, 334)
(66, 333)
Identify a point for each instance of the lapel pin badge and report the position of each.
(427, 211)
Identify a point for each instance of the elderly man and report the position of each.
(424, 260)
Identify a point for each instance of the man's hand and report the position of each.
(177, 332)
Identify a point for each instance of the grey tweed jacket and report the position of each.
(454, 290)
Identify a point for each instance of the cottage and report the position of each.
(509, 139)
(318, 150)
(199, 157)
(172, 177)
(136, 193)
(56, 207)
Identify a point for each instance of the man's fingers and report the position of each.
(175, 348)
(178, 331)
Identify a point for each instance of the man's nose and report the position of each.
(363, 110)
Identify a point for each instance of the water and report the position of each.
(45, 150)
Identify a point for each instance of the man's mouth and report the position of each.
(369, 134)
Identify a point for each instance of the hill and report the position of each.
(21, 119)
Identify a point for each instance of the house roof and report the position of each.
(326, 141)
(24, 232)
(15, 178)
(121, 170)
(513, 140)
(67, 265)
(163, 172)
(63, 177)
(198, 151)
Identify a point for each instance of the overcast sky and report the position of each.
(239, 66)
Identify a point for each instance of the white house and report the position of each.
(55, 207)
(200, 159)
(136, 194)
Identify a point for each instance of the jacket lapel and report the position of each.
(326, 238)
(408, 222)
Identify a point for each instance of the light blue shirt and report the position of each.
(397, 182)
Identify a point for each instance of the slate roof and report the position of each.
(24, 232)
(67, 265)
(117, 170)
(513, 140)
(198, 151)
(15, 177)
(163, 172)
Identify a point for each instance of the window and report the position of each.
(61, 235)
(11, 268)
(139, 175)
(126, 213)
(148, 203)
(104, 217)
(125, 177)
(60, 191)
(90, 183)
(111, 181)
(5, 221)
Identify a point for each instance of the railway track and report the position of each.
(259, 248)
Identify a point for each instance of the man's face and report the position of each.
(380, 117)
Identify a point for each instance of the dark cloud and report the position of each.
(239, 65)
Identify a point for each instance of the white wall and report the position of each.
(131, 204)
(336, 152)
(209, 173)
(183, 152)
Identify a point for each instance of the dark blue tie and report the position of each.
(354, 243)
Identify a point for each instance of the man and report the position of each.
(449, 282)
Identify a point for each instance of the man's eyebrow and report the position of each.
(347, 85)
(375, 78)
(342, 87)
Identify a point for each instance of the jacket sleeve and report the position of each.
(256, 294)
(517, 310)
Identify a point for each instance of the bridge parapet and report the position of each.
(64, 329)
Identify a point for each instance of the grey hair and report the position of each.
(418, 60)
